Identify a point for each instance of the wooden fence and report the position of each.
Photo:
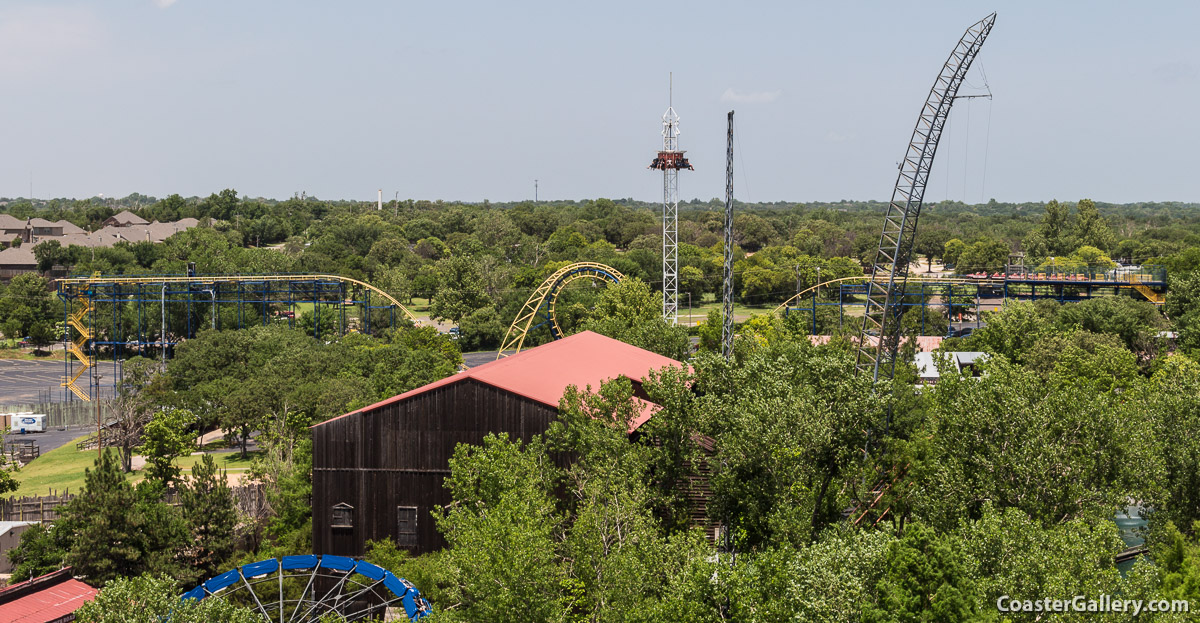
(38, 508)
(60, 414)
(249, 500)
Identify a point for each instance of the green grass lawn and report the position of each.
(229, 461)
(62, 469)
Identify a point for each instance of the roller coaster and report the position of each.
(1013, 283)
(304, 589)
(541, 305)
(149, 315)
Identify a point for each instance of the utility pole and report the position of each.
(670, 160)
(535, 189)
(99, 424)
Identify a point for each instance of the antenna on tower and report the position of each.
(670, 160)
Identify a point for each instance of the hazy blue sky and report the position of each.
(467, 101)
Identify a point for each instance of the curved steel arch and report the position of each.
(300, 589)
(541, 303)
(890, 268)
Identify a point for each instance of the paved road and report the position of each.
(478, 359)
(22, 380)
(53, 438)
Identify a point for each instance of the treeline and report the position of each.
(474, 264)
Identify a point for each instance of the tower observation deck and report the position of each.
(670, 161)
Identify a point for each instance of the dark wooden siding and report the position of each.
(399, 455)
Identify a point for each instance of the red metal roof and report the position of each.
(46, 598)
(543, 373)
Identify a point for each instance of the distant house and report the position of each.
(15, 261)
(125, 218)
(11, 228)
(964, 362)
(40, 227)
(51, 598)
(378, 471)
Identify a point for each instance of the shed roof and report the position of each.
(46, 598)
(543, 373)
(5, 526)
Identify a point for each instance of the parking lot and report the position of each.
(28, 382)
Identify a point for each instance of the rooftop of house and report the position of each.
(126, 218)
(18, 256)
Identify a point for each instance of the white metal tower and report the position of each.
(670, 160)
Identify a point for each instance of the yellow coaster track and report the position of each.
(541, 304)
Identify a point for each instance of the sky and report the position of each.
(470, 101)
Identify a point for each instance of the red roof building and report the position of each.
(378, 471)
(51, 598)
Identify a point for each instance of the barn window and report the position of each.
(406, 526)
(343, 516)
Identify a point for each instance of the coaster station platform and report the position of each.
(966, 292)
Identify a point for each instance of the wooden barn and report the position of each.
(378, 471)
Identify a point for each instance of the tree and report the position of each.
(42, 549)
(1056, 451)
(1133, 321)
(1171, 400)
(1010, 331)
(151, 598)
(789, 423)
(1091, 229)
(629, 311)
(986, 254)
(460, 291)
(131, 406)
(502, 530)
(1098, 360)
(952, 251)
(1180, 560)
(924, 581)
(1010, 553)
(50, 253)
(164, 439)
(481, 329)
(209, 512)
(119, 531)
(932, 244)
(26, 310)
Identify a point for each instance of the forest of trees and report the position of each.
(1005, 484)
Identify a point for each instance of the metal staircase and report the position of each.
(77, 347)
(1157, 298)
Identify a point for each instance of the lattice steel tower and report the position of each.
(727, 295)
(670, 160)
(879, 340)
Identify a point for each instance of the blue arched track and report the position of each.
(264, 583)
